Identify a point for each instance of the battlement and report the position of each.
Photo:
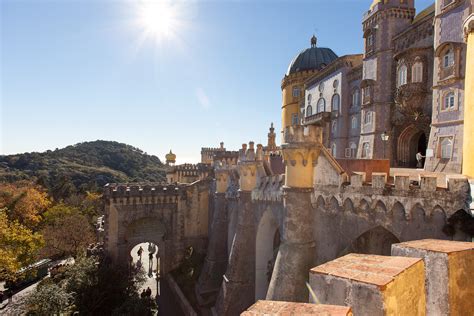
(303, 134)
(269, 189)
(121, 190)
(249, 154)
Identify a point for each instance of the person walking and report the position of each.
(139, 252)
(148, 292)
(419, 160)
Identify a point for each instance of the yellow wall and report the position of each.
(468, 142)
(461, 287)
(406, 295)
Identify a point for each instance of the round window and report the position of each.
(321, 87)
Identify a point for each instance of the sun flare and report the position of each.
(159, 20)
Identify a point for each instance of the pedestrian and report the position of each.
(143, 294)
(419, 160)
(148, 292)
(10, 296)
(139, 252)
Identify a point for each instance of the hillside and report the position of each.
(81, 167)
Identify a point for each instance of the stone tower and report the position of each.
(384, 20)
(271, 143)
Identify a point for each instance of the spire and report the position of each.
(314, 41)
(271, 144)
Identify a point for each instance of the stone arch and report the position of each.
(411, 141)
(320, 203)
(398, 212)
(348, 206)
(267, 242)
(364, 206)
(380, 211)
(334, 204)
(460, 226)
(417, 213)
(376, 241)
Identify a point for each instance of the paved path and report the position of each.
(18, 305)
(150, 268)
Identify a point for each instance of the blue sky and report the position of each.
(74, 71)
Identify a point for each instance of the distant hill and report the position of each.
(81, 167)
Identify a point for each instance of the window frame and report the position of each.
(442, 151)
(322, 102)
(402, 75)
(448, 102)
(337, 97)
(365, 151)
(417, 72)
(354, 123)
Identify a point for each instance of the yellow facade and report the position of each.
(468, 142)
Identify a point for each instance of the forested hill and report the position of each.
(81, 167)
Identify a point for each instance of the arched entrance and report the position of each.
(411, 141)
(376, 241)
(146, 257)
(266, 245)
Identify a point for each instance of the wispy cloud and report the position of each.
(203, 99)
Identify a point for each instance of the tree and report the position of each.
(18, 246)
(67, 232)
(50, 299)
(25, 202)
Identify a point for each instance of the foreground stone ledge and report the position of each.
(372, 285)
(449, 274)
(290, 308)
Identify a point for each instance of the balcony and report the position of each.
(318, 119)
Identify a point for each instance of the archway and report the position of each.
(266, 245)
(145, 257)
(411, 141)
(376, 241)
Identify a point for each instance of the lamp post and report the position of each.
(385, 137)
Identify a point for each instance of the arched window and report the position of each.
(353, 148)
(309, 98)
(446, 144)
(296, 92)
(334, 127)
(356, 97)
(417, 72)
(365, 150)
(448, 58)
(354, 122)
(333, 149)
(368, 117)
(336, 100)
(402, 75)
(321, 105)
(448, 101)
(309, 110)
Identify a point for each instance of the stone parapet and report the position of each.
(372, 285)
(449, 267)
(269, 189)
(269, 308)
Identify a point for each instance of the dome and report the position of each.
(311, 58)
(170, 157)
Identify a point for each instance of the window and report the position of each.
(353, 148)
(334, 127)
(368, 117)
(333, 149)
(366, 94)
(354, 122)
(417, 72)
(402, 75)
(448, 101)
(309, 98)
(365, 150)
(448, 58)
(336, 99)
(296, 92)
(321, 87)
(321, 105)
(356, 97)
(309, 110)
(446, 147)
(335, 84)
(370, 40)
(294, 119)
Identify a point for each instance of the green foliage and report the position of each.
(18, 246)
(83, 167)
(50, 299)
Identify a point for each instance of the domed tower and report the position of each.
(307, 63)
(170, 158)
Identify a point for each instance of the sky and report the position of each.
(75, 71)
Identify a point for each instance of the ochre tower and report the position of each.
(307, 63)
(170, 158)
(468, 156)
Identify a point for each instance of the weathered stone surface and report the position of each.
(372, 285)
(267, 308)
(449, 269)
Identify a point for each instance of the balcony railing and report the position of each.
(318, 118)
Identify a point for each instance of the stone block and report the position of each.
(456, 183)
(372, 285)
(261, 308)
(428, 183)
(379, 179)
(449, 267)
(357, 179)
(402, 181)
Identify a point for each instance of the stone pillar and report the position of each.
(238, 287)
(215, 263)
(297, 249)
(468, 157)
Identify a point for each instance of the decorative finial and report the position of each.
(314, 41)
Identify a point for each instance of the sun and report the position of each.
(159, 20)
